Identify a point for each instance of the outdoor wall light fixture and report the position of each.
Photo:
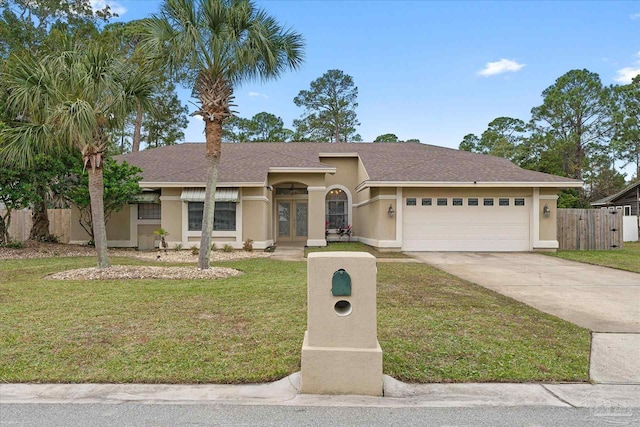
(391, 212)
(546, 211)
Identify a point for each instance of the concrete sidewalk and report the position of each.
(286, 392)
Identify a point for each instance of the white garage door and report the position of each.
(466, 224)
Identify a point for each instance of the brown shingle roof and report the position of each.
(406, 162)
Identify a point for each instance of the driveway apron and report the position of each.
(604, 300)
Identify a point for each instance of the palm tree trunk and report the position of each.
(4, 227)
(213, 135)
(136, 131)
(40, 220)
(96, 194)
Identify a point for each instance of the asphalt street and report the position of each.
(158, 415)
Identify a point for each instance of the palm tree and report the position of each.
(72, 99)
(213, 46)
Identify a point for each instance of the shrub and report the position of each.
(227, 248)
(213, 246)
(178, 247)
(163, 242)
(13, 244)
(195, 250)
(248, 245)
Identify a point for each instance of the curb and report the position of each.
(285, 392)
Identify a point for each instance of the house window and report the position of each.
(472, 201)
(148, 211)
(627, 210)
(503, 202)
(411, 201)
(518, 201)
(487, 202)
(442, 201)
(457, 201)
(426, 201)
(224, 216)
(336, 213)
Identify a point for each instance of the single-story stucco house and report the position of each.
(399, 196)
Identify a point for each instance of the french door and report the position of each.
(292, 219)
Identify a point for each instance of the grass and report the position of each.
(623, 259)
(355, 247)
(433, 327)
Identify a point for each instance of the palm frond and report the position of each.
(22, 142)
(229, 40)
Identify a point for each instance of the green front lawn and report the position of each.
(623, 259)
(433, 327)
(355, 247)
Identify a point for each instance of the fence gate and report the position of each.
(589, 229)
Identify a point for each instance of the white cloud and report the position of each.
(116, 7)
(499, 67)
(635, 16)
(626, 74)
(258, 94)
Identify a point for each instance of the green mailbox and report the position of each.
(341, 283)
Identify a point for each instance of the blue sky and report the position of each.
(419, 65)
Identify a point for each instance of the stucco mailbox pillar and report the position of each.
(340, 352)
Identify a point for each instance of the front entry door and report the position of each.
(292, 220)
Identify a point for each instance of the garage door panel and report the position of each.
(466, 228)
(444, 231)
(468, 245)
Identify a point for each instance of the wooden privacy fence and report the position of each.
(589, 229)
(59, 224)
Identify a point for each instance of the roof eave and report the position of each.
(334, 154)
(488, 184)
(301, 170)
(200, 184)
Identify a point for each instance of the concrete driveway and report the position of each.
(599, 298)
(604, 300)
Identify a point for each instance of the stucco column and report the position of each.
(316, 218)
(340, 350)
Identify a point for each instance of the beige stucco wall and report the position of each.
(346, 172)
(548, 225)
(362, 176)
(255, 223)
(374, 221)
(77, 232)
(148, 229)
(171, 214)
(117, 228)
(252, 191)
(309, 179)
(172, 191)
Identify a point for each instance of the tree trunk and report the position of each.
(40, 219)
(136, 131)
(4, 227)
(213, 135)
(96, 194)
